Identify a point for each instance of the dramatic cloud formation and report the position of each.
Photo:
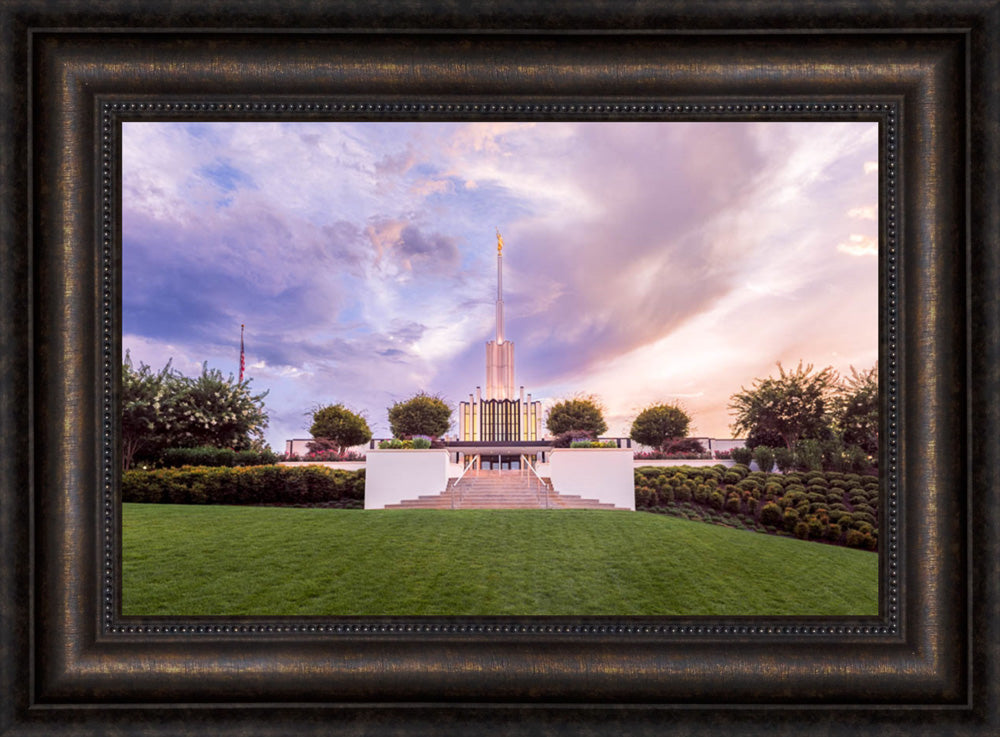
(643, 261)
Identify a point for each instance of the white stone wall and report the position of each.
(605, 474)
(394, 475)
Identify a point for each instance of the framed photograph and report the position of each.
(634, 280)
(903, 103)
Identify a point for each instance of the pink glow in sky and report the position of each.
(644, 261)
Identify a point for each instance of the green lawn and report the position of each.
(216, 560)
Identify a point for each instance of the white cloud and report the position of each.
(868, 212)
(871, 167)
(859, 245)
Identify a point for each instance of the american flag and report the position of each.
(243, 360)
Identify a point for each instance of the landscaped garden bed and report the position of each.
(824, 506)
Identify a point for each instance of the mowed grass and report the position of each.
(216, 560)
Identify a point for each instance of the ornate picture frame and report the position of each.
(926, 665)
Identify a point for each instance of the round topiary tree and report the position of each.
(581, 413)
(660, 423)
(422, 414)
(336, 425)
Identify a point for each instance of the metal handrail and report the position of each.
(541, 481)
(473, 463)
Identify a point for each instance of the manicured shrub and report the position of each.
(784, 459)
(733, 503)
(742, 469)
(865, 508)
(764, 458)
(833, 533)
(815, 527)
(742, 456)
(863, 517)
(774, 489)
(277, 485)
(795, 497)
(204, 455)
(752, 506)
(856, 539)
(856, 460)
(808, 455)
(716, 500)
(732, 478)
(665, 496)
(682, 493)
(801, 530)
(701, 493)
(770, 514)
(790, 519)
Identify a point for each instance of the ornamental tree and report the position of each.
(421, 414)
(660, 423)
(218, 411)
(856, 410)
(336, 425)
(147, 398)
(165, 409)
(580, 413)
(793, 405)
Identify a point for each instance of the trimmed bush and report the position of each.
(784, 459)
(764, 458)
(742, 456)
(204, 455)
(770, 515)
(265, 485)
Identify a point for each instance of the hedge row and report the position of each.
(208, 456)
(828, 506)
(260, 485)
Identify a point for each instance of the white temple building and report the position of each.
(502, 413)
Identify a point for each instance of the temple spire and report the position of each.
(499, 288)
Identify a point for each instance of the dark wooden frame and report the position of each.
(928, 665)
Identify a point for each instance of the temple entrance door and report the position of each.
(500, 462)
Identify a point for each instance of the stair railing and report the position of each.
(474, 463)
(525, 462)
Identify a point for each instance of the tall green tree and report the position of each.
(147, 400)
(659, 423)
(336, 425)
(580, 413)
(856, 409)
(794, 404)
(421, 414)
(220, 412)
(165, 409)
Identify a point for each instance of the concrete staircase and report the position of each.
(500, 490)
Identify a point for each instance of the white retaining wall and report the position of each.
(605, 474)
(395, 475)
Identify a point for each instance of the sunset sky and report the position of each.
(643, 262)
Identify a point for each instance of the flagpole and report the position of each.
(242, 355)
